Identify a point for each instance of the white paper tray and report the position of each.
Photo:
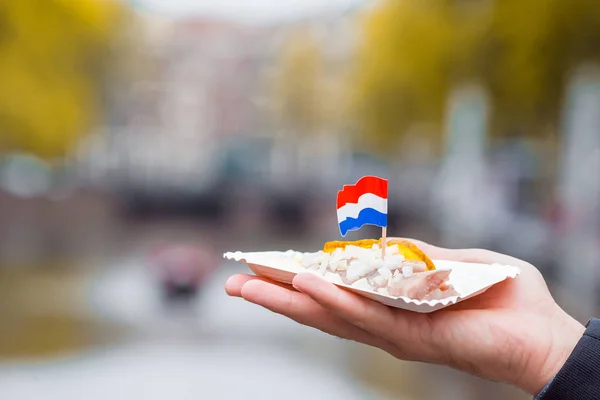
(469, 279)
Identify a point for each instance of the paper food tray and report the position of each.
(469, 279)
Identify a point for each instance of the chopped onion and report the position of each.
(384, 272)
(362, 284)
(365, 269)
(323, 267)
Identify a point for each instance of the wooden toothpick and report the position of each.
(383, 239)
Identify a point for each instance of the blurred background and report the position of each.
(141, 139)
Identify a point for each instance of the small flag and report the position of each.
(364, 203)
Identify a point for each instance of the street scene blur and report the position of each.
(142, 139)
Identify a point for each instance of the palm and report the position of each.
(492, 330)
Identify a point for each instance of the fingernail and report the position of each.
(296, 287)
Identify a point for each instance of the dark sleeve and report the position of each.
(579, 378)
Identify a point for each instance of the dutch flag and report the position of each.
(364, 203)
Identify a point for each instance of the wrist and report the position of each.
(565, 333)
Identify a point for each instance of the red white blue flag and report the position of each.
(364, 203)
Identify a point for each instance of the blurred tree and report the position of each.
(530, 59)
(298, 84)
(55, 56)
(414, 51)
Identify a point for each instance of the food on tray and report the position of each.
(408, 249)
(405, 271)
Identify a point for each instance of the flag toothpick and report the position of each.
(383, 240)
(364, 203)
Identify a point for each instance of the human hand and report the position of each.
(514, 332)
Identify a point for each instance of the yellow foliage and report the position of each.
(414, 51)
(53, 58)
(530, 59)
(298, 84)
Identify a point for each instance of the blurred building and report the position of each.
(194, 92)
(198, 118)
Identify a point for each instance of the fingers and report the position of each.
(233, 286)
(512, 292)
(432, 251)
(363, 313)
(326, 307)
(468, 255)
(401, 327)
(302, 309)
(442, 253)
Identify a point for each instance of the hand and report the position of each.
(514, 332)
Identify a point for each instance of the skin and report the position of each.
(514, 332)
